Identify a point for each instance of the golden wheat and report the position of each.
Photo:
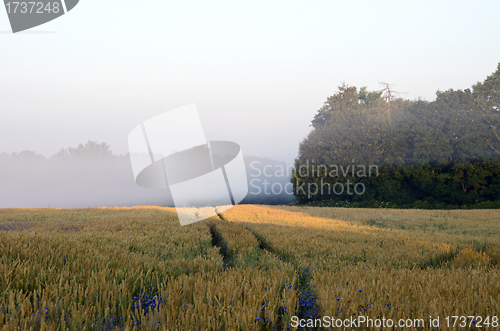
(137, 268)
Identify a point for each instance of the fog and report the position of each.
(92, 176)
(258, 73)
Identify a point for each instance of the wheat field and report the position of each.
(251, 268)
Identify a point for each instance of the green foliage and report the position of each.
(436, 152)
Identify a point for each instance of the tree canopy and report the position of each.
(411, 139)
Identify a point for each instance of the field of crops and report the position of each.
(252, 268)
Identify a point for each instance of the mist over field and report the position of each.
(443, 153)
(258, 72)
(90, 175)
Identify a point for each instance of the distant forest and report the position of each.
(440, 153)
(90, 175)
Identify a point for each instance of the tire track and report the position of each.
(224, 250)
(309, 307)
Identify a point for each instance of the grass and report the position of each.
(252, 268)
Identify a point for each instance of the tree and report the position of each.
(389, 95)
(487, 96)
(91, 150)
(369, 98)
(344, 100)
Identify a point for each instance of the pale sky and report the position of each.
(258, 72)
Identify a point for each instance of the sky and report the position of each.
(257, 71)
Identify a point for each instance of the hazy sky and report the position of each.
(258, 72)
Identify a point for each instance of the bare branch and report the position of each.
(495, 132)
(388, 94)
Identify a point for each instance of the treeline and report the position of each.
(439, 153)
(91, 175)
(88, 175)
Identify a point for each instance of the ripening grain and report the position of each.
(138, 269)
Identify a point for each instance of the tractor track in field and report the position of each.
(309, 307)
(224, 250)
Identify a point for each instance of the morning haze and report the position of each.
(258, 72)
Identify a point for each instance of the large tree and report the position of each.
(439, 150)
